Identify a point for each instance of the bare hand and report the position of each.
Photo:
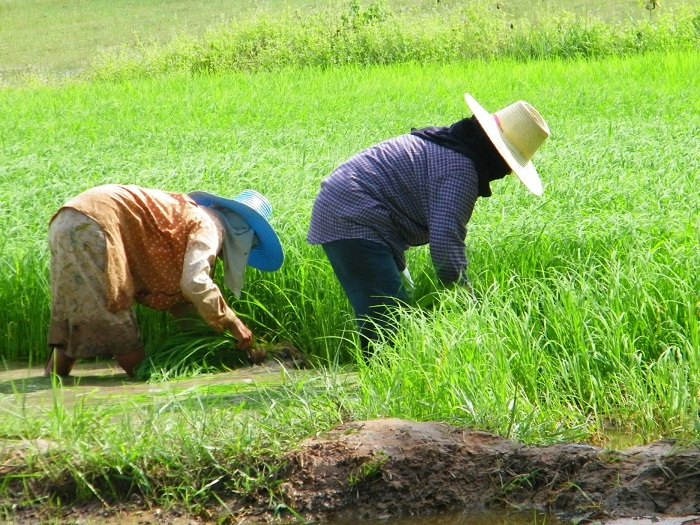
(240, 331)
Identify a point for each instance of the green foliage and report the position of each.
(588, 298)
(378, 35)
(44, 40)
(357, 16)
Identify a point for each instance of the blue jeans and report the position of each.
(368, 274)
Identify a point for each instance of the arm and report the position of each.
(198, 287)
(451, 203)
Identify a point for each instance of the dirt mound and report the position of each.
(392, 467)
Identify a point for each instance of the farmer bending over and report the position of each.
(114, 245)
(414, 189)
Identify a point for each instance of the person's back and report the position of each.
(402, 192)
(147, 231)
(416, 189)
(115, 245)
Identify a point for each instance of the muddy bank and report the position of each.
(382, 470)
(385, 468)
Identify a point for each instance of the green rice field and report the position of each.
(588, 318)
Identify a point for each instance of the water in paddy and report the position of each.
(516, 518)
(485, 518)
(104, 383)
(492, 518)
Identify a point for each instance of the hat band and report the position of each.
(498, 121)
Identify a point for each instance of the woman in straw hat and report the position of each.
(114, 245)
(414, 189)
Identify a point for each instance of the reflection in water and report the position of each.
(521, 518)
(15, 377)
(617, 439)
(483, 518)
(103, 381)
(493, 518)
(24, 389)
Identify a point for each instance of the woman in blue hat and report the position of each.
(116, 245)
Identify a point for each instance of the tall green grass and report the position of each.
(331, 33)
(589, 298)
(44, 38)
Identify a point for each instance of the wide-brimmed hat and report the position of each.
(255, 209)
(516, 131)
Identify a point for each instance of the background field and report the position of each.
(62, 36)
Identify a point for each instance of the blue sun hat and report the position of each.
(255, 209)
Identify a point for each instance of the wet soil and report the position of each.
(395, 467)
(381, 470)
(376, 471)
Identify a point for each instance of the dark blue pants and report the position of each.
(368, 274)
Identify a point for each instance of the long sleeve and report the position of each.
(197, 285)
(453, 195)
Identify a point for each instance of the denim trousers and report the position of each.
(373, 284)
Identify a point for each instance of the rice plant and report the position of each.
(588, 313)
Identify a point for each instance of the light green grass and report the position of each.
(376, 35)
(588, 296)
(588, 313)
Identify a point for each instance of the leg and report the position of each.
(59, 363)
(369, 276)
(130, 360)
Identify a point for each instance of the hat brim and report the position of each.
(523, 169)
(267, 255)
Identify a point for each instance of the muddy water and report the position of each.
(493, 518)
(103, 382)
(486, 518)
(516, 518)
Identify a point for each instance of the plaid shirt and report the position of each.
(402, 192)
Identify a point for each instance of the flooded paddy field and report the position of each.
(105, 383)
(387, 471)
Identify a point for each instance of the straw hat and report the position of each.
(256, 210)
(516, 131)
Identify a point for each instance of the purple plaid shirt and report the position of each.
(402, 192)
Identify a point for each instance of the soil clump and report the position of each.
(393, 467)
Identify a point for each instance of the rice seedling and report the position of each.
(587, 314)
(597, 278)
